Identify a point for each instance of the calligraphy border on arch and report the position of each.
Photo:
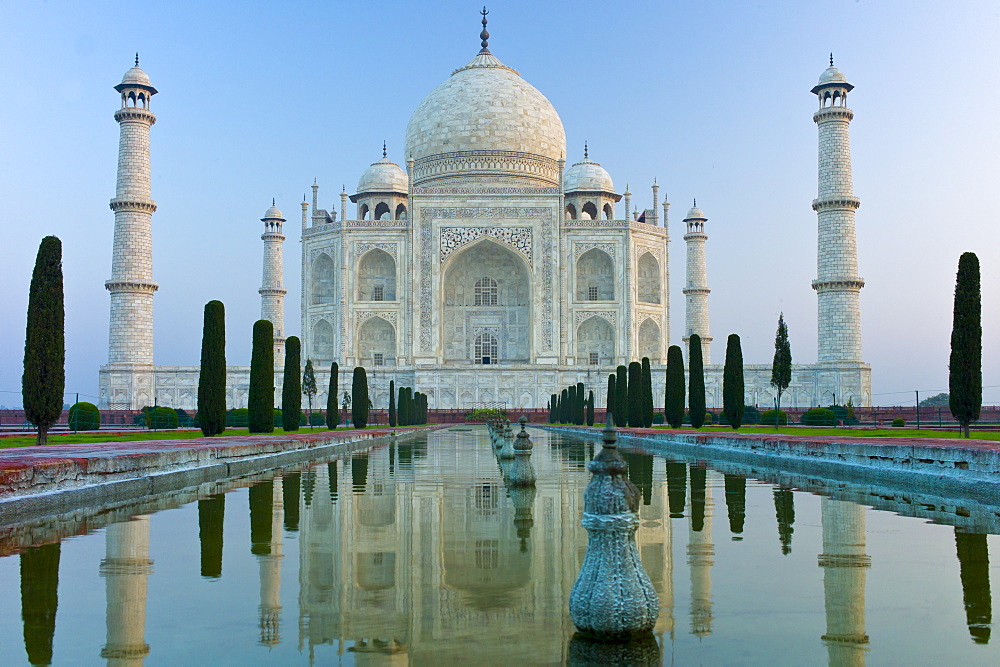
(584, 315)
(361, 248)
(518, 239)
(362, 316)
(580, 248)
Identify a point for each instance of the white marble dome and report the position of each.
(695, 214)
(832, 75)
(383, 176)
(273, 213)
(588, 176)
(482, 108)
(134, 77)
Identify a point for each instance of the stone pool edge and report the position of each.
(37, 481)
(945, 467)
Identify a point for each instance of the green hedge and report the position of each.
(897, 422)
(157, 418)
(751, 415)
(84, 416)
(819, 417)
(768, 417)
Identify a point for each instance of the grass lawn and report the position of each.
(76, 438)
(826, 432)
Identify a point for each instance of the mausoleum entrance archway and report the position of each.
(486, 291)
(376, 343)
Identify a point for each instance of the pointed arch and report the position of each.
(609, 212)
(324, 280)
(648, 279)
(649, 340)
(376, 336)
(570, 212)
(401, 212)
(376, 276)
(382, 211)
(589, 211)
(595, 336)
(595, 276)
(322, 342)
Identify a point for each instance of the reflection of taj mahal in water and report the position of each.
(488, 269)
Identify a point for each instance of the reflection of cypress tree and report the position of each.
(784, 509)
(699, 479)
(406, 456)
(331, 468)
(308, 485)
(211, 513)
(392, 460)
(640, 473)
(290, 485)
(39, 599)
(676, 488)
(359, 472)
(974, 564)
(736, 502)
(261, 501)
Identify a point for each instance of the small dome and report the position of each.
(135, 77)
(273, 213)
(588, 176)
(695, 214)
(384, 176)
(832, 75)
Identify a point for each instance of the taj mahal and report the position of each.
(489, 267)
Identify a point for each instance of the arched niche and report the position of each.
(376, 336)
(649, 279)
(570, 212)
(595, 336)
(322, 336)
(609, 212)
(376, 276)
(376, 571)
(472, 309)
(595, 276)
(401, 212)
(589, 211)
(382, 211)
(324, 280)
(649, 341)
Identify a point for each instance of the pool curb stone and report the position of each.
(55, 478)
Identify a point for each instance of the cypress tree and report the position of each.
(636, 401)
(401, 409)
(647, 393)
(621, 396)
(696, 383)
(392, 402)
(965, 366)
(552, 409)
(291, 385)
(581, 404)
(571, 405)
(407, 399)
(612, 392)
(359, 398)
(332, 408)
(44, 378)
(564, 406)
(309, 387)
(590, 408)
(260, 400)
(212, 372)
(732, 382)
(673, 399)
(423, 408)
(781, 367)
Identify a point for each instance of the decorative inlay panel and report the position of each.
(580, 248)
(584, 315)
(364, 315)
(517, 238)
(362, 248)
(654, 251)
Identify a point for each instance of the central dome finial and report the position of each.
(485, 36)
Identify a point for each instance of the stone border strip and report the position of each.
(967, 468)
(35, 481)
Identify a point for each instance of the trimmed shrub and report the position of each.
(839, 412)
(279, 417)
(291, 384)
(184, 420)
(317, 419)
(44, 378)
(647, 393)
(636, 398)
(160, 417)
(751, 415)
(819, 417)
(332, 407)
(260, 400)
(696, 381)
(898, 422)
(238, 417)
(84, 416)
(658, 418)
(768, 417)
(621, 396)
(392, 403)
(359, 398)
(673, 398)
(590, 409)
(732, 382)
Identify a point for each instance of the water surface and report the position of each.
(419, 552)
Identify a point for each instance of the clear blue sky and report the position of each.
(710, 98)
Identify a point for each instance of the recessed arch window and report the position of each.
(486, 348)
(486, 292)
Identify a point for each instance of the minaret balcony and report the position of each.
(833, 113)
(135, 114)
(833, 203)
(133, 204)
(838, 284)
(131, 285)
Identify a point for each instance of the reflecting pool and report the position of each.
(418, 552)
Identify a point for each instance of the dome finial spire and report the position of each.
(485, 36)
(136, 58)
(384, 152)
(695, 202)
(586, 151)
(272, 201)
(831, 58)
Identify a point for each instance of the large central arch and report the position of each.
(486, 295)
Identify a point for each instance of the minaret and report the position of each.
(837, 284)
(305, 213)
(131, 284)
(272, 291)
(126, 569)
(845, 566)
(627, 196)
(696, 283)
(656, 202)
(270, 573)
